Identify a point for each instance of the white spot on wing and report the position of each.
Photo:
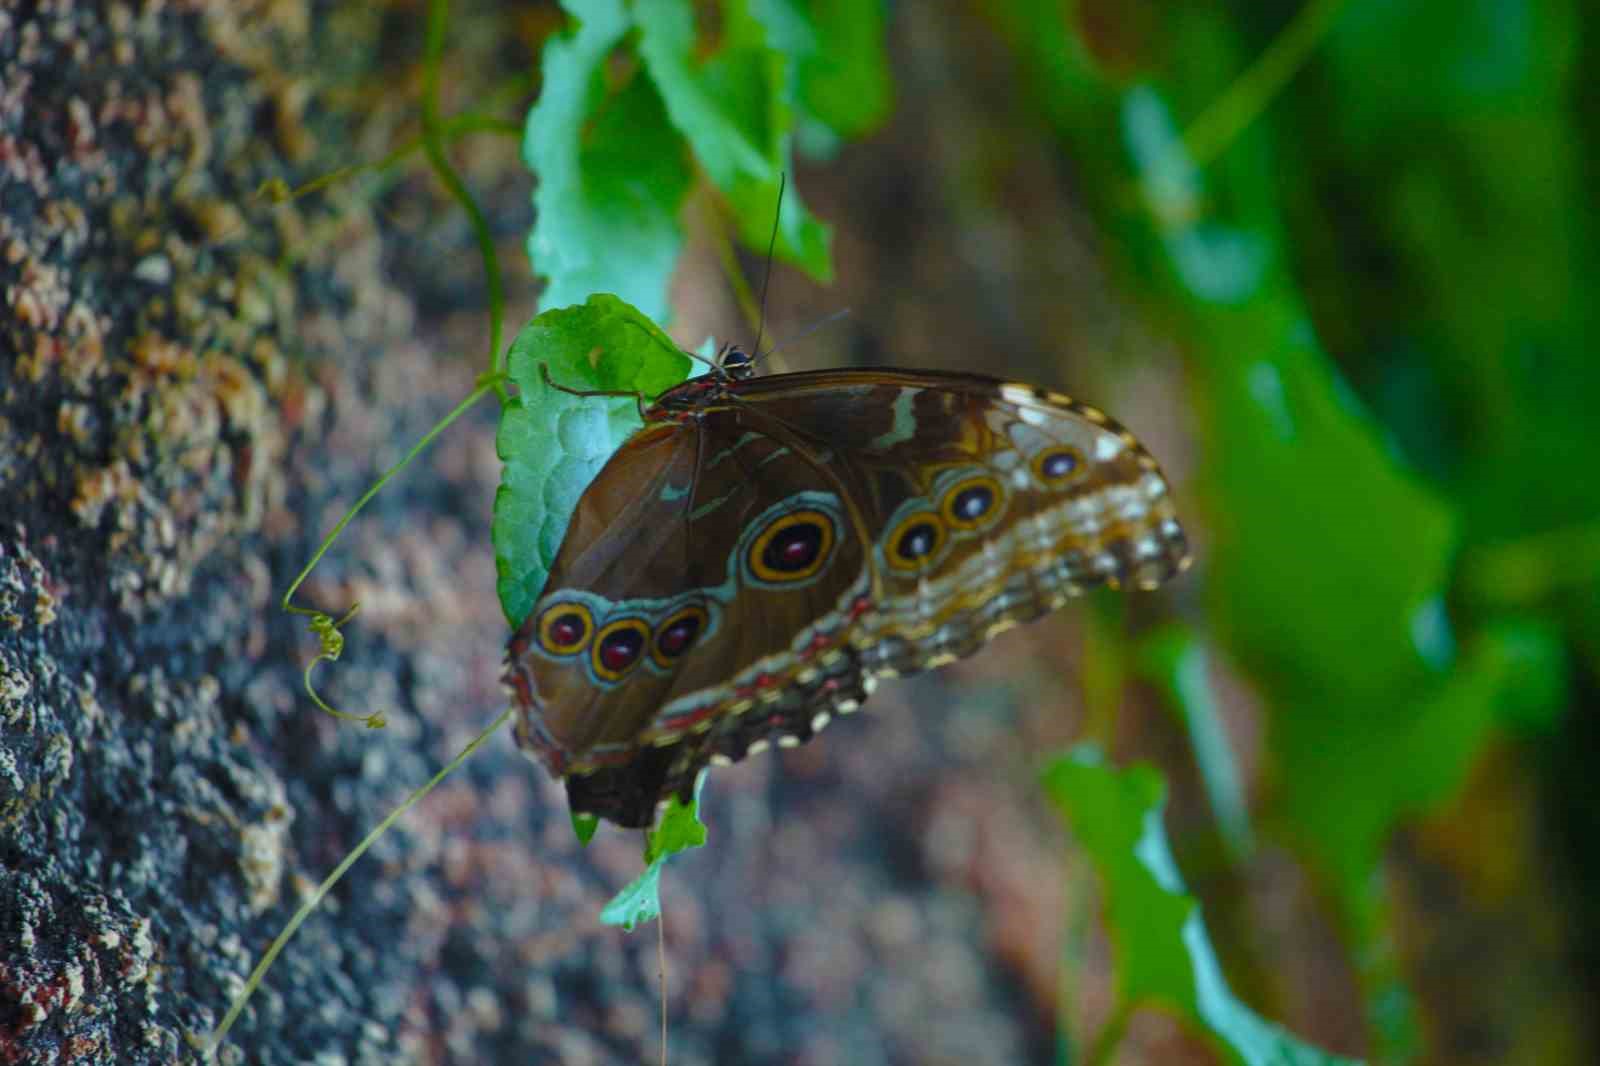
(904, 426)
(1033, 416)
(1020, 395)
(1107, 447)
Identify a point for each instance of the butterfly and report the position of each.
(749, 563)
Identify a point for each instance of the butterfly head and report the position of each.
(735, 363)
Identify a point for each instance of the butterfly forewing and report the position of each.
(743, 569)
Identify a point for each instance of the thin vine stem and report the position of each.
(1209, 135)
(214, 1041)
(1527, 570)
(451, 130)
(434, 133)
(323, 624)
(433, 146)
(486, 383)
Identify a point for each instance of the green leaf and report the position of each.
(1164, 957)
(1433, 60)
(679, 830)
(1476, 183)
(611, 169)
(584, 826)
(841, 68)
(1330, 561)
(1538, 677)
(639, 902)
(1283, 428)
(552, 444)
(1366, 620)
(1352, 786)
(735, 109)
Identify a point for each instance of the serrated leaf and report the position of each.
(680, 829)
(611, 169)
(1164, 957)
(551, 443)
(735, 109)
(639, 902)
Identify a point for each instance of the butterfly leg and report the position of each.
(635, 396)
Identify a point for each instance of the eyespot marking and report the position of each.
(972, 503)
(792, 547)
(1058, 466)
(914, 541)
(677, 633)
(565, 627)
(618, 647)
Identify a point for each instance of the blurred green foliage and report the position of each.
(1410, 217)
(1371, 226)
(608, 139)
(1165, 955)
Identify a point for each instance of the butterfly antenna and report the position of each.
(712, 363)
(808, 331)
(766, 277)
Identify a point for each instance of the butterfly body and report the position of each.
(750, 561)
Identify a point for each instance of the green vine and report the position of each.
(436, 131)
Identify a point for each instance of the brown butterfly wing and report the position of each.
(695, 556)
(956, 506)
(987, 504)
